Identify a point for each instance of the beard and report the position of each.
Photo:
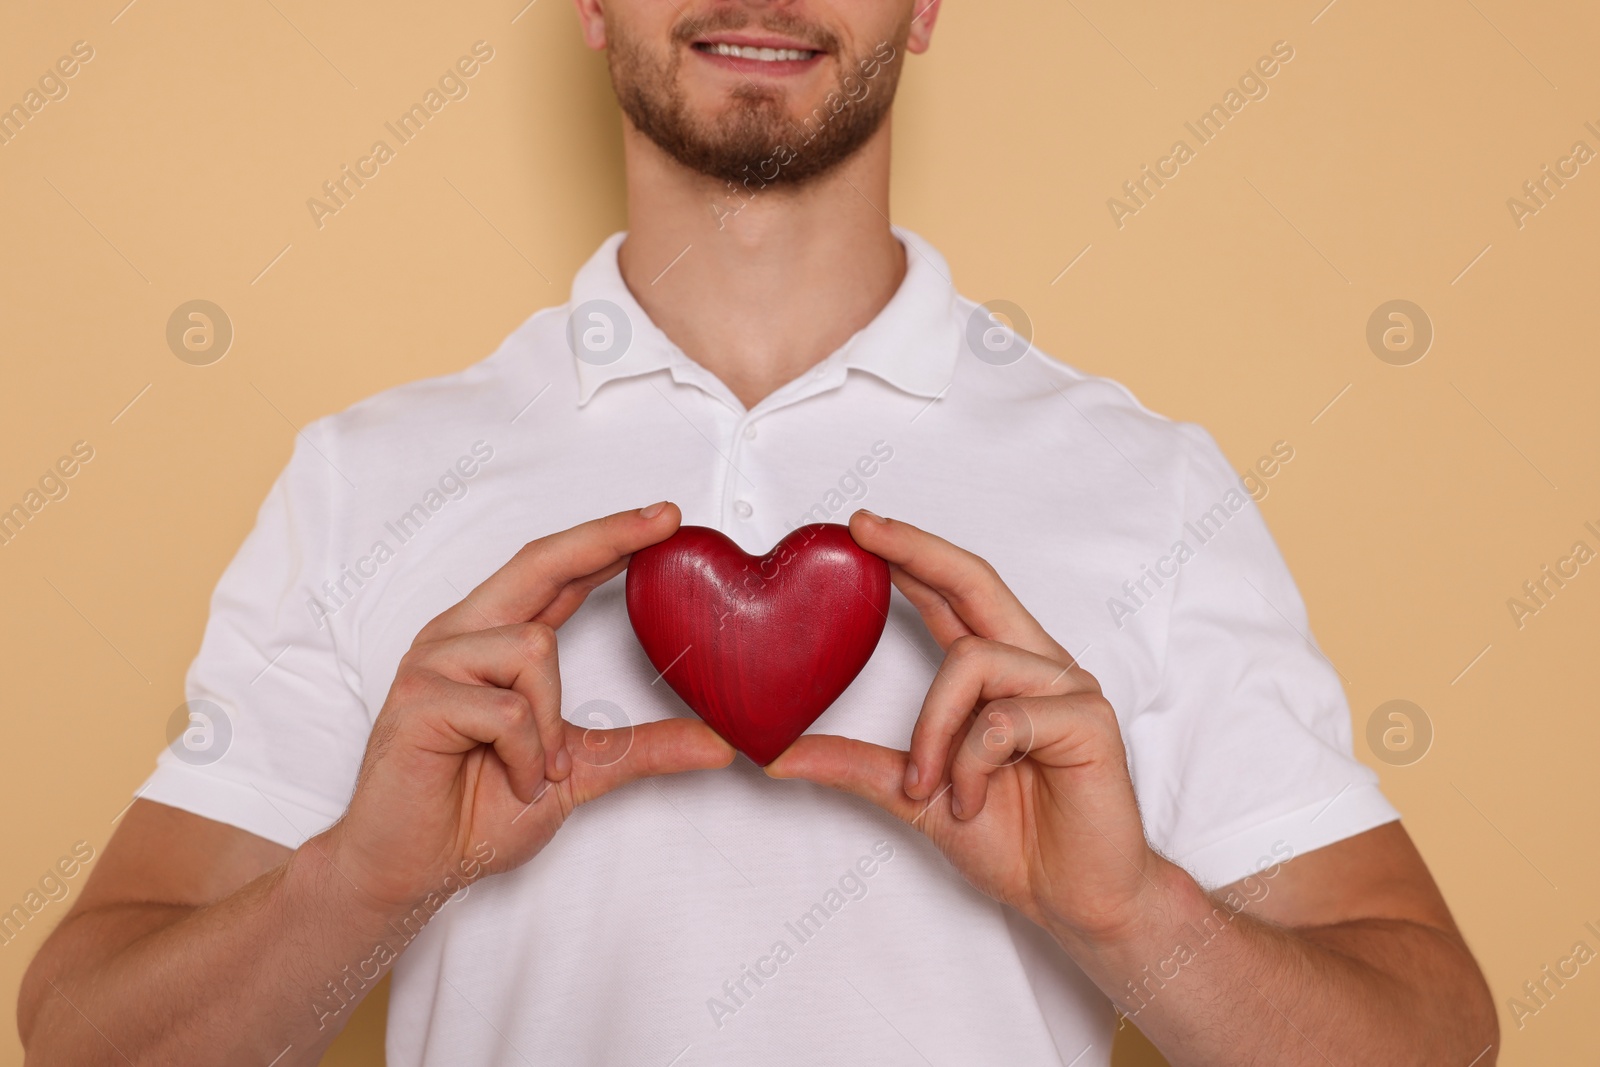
(756, 126)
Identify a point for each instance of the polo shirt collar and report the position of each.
(912, 343)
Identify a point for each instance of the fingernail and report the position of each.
(653, 510)
(563, 760)
(873, 515)
(955, 805)
(912, 774)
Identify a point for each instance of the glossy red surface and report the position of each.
(758, 646)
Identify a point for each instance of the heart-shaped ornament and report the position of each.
(758, 646)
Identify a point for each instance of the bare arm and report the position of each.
(1347, 954)
(197, 943)
(1017, 772)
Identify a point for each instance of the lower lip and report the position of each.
(776, 67)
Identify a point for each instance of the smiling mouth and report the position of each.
(751, 52)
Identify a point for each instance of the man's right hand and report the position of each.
(470, 746)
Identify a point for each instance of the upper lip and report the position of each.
(741, 40)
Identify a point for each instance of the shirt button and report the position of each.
(750, 432)
(743, 509)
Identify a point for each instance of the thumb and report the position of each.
(872, 772)
(602, 760)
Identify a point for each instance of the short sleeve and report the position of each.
(278, 727)
(1244, 757)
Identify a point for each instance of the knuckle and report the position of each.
(413, 660)
(1002, 714)
(535, 553)
(413, 681)
(510, 706)
(1085, 676)
(976, 577)
(966, 649)
(964, 588)
(996, 728)
(538, 640)
(1100, 712)
(609, 530)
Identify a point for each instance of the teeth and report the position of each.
(766, 55)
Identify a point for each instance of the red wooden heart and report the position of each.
(758, 646)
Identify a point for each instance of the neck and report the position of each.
(775, 280)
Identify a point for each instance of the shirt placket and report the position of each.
(742, 506)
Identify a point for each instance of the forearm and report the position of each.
(1212, 986)
(276, 966)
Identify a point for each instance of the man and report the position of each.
(1129, 782)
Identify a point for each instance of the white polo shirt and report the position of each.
(721, 917)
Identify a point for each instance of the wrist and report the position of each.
(1169, 900)
(341, 939)
(316, 878)
(1127, 957)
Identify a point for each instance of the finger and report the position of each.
(606, 759)
(572, 595)
(521, 657)
(548, 578)
(1073, 731)
(937, 614)
(872, 772)
(974, 670)
(968, 586)
(451, 718)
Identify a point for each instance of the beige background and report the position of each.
(1378, 167)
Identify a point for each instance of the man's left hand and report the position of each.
(1017, 770)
